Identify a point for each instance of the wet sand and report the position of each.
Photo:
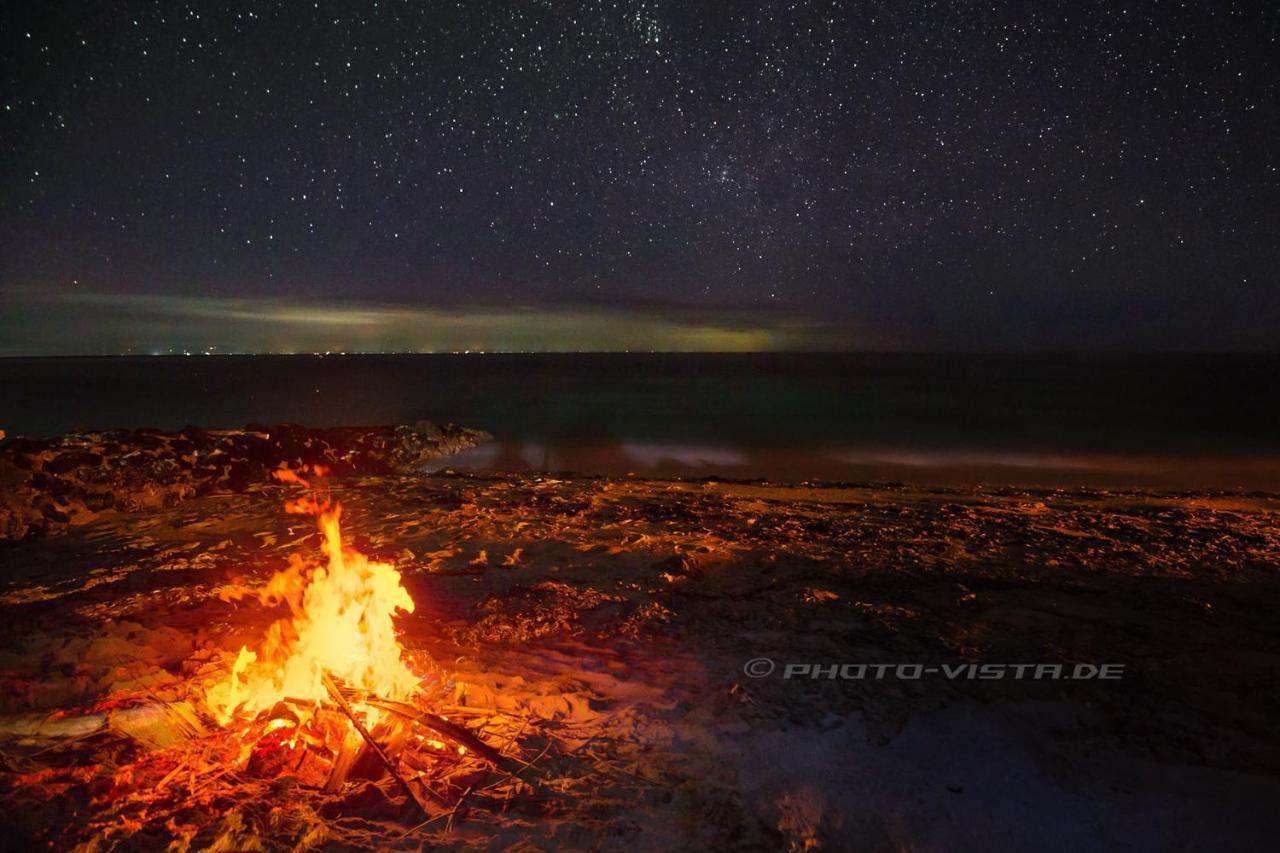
(890, 464)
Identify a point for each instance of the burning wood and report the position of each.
(336, 694)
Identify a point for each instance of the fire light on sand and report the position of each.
(339, 624)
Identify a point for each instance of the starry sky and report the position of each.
(638, 174)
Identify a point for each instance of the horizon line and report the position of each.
(782, 352)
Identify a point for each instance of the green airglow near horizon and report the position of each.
(88, 323)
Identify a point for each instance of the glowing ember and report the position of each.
(340, 621)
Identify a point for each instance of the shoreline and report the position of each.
(1162, 420)
(52, 484)
(917, 467)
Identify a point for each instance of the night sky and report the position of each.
(651, 175)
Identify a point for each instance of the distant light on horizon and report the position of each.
(109, 324)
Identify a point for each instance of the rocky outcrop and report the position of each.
(49, 484)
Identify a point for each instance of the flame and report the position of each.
(339, 621)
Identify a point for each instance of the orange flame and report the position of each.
(340, 622)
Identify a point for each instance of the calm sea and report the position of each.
(1167, 420)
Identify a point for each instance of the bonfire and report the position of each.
(327, 692)
(339, 624)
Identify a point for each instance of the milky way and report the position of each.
(1016, 175)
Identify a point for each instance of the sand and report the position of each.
(614, 617)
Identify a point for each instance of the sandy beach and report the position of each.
(608, 632)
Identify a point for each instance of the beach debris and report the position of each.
(47, 485)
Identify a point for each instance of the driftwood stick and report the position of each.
(345, 759)
(448, 824)
(454, 732)
(337, 697)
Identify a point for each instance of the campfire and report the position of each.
(338, 628)
(327, 696)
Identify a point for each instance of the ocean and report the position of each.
(1174, 421)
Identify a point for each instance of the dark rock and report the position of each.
(64, 462)
(48, 484)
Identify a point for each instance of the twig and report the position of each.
(171, 775)
(523, 725)
(582, 746)
(448, 824)
(449, 814)
(453, 731)
(209, 780)
(337, 697)
(528, 764)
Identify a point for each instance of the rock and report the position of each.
(47, 485)
(71, 460)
